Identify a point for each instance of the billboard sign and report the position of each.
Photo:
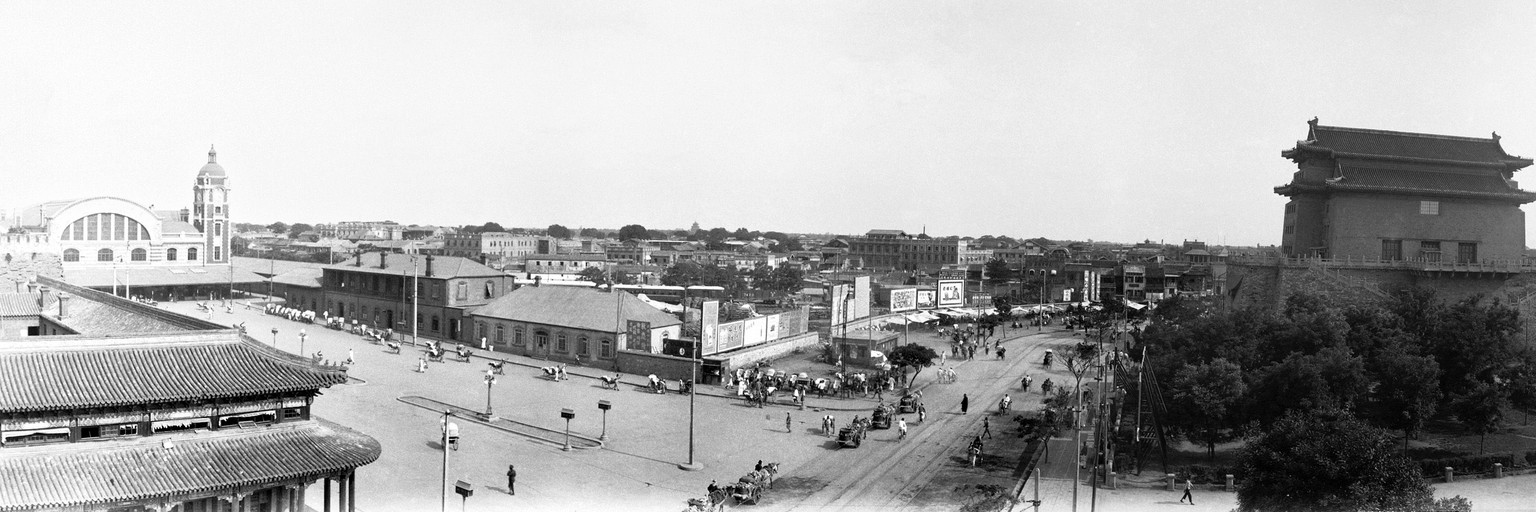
(639, 335)
(904, 299)
(926, 298)
(709, 317)
(951, 293)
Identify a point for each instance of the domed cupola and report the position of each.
(212, 169)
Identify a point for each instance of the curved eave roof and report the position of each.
(1519, 196)
(1510, 163)
(84, 474)
(69, 373)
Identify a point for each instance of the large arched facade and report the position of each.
(102, 231)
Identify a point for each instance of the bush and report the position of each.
(1475, 464)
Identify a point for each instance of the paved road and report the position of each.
(887, 473)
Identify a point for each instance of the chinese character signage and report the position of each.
(926, 298)
(708, 326)
(951, 293)
(638, 334)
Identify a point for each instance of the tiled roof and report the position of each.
(579, 308)
(309, 277)
(74, 475)
(63, 372)
(1488, 182)
(1359, 141)
(178, 226)
(20, 304)
(443, 267)
(268, 267)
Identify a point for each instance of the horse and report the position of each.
(554, 372)
(496, 367)
(393, 347)
(435, 355)
(770, 469)
(610, 382)
(463, 354)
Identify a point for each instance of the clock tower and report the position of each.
(210, 210)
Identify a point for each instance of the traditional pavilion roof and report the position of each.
(1336, 142)
(569, 306)
(1404, 163)
(133, 469)
(65, 372)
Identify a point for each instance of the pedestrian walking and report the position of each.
(787, 428)
(901, 425)
(1188, 486)
(421, 365)
(922, 412)
(1000, 352)
(511, 480)
(349, 356)
(986, 428)
(965, 403)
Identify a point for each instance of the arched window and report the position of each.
(462, 291)
(104, 255)
(140, 255)
(191, 254)
(560, 344)
(501, 332)
(170, 254)
(517, 336)
(490, 289)
(607, 347)
(71, 255)
(582, 347)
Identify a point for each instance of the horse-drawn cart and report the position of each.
(852, 435)
(908, 404)
(882, 416)
(748, 489)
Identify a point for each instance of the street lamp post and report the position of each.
(446, 414)
(567, 414)
(604, 405)
(693, 370)
(490, 380)
(1040, 320)
(274, 337)
(302, 336)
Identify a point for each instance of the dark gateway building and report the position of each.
(1398, 196)
(119, 406)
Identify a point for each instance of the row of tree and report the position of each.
(1352, 371)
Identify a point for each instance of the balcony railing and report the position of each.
(1420, 264)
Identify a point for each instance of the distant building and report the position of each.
(496, 245)
(361, 230)
(892, 249)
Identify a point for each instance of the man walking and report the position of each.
(787, 427)
(922, 412)
(511, 480)
(901, 425)
(965, 403)
(1188, 486)
(986, 428)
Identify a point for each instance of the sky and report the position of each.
(1118, 121)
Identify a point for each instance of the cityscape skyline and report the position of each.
(1104, 122)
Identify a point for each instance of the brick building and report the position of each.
(564, 322)
(374, 289)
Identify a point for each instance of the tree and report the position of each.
(1407, 391)
(558, 231)
(656, 234)
(491, 227)
(622, 277)
(1078, 363)
(632, 231)
(594, 274)
(1481, 410)
(998, 273)
(298, 229)
(591, 233)
(1328, 461)
(912, 356)
(1203, 401)
(1003, 305)
(278, 227)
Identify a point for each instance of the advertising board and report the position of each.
(926, 298)
(904, 299)
(951, 293)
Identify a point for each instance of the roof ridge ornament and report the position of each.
(212, 155)
(1495, 136)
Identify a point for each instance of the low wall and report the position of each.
(775, 350)
(660, 365)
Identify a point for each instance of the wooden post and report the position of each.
(327, 495)
(352, 491)
(343, 499)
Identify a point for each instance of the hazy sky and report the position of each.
(1108, 121)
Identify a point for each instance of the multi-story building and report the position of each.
(630, 251)
(375, 289)
(1399, 196)
(189, 415)
(496, 245)
(896, 250)
(359, 230)
(563, 267)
